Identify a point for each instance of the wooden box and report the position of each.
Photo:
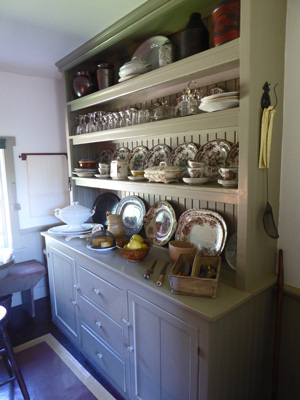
(184, 276)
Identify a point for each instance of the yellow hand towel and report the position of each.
(266, 137)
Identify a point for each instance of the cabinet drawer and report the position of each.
(102, 325)
(103, 358)
(104, 294)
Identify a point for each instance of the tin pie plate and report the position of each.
(160, 223)
(206, 229)
(132, 210)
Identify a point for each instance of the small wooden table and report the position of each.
(23, 277)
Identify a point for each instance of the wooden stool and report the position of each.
(8, 356)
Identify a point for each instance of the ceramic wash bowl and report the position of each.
(163, 173)
(74, 215)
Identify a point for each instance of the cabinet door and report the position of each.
(63, 292)
(163, 357)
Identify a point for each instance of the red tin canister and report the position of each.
(226, 21)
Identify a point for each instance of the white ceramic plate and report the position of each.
(156, 154)
(218, 105)
(195, 181)
(136, 178)
(67, 229)
(230, 251)
(132, 210)
(136, 158)
(102, 176)
(205, 228)
(101, 249)
(228, 183)
(219, 95)
(213, 154)
(149, 50)
(160, 223)
(84, 174)
(181, 154)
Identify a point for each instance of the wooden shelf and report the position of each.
(207, 67)
(220, 119)
(207, 192)
(205, 121)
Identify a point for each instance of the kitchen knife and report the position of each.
(161, 278)
(150, 270)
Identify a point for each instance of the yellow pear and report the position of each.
(137, 237)
(134, 244)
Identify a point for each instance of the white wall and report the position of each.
(289, 216)
(32, 111)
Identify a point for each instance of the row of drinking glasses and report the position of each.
(102, 121)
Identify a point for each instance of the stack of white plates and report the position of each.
(84, 172)
(221, 101)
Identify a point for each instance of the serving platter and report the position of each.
(136, 158)
(213, 154)
(231, 251)
(232, 159)
(149, 50)
(160, 223)
(181, 154)
(103, 203)
(156, 154)
(68, 230)
(122, 154)
(205, 228)
(132, 210)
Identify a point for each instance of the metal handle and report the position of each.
(130, 348)
(96, 291)
(99, 355)
(74, 302)
(125, 322)
(98, 323)
(76, 287)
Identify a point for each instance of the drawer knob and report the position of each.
(76, 287)
(96, 291)
(98, 323)
(125, 322)
(74, 302)
(100, 356)
(130, 348)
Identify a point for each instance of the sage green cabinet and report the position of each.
(63, 293)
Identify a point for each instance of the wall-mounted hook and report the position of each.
(265, 99)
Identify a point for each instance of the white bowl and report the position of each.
(74, 215)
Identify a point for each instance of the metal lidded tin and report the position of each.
(104, 75)
(226, 21)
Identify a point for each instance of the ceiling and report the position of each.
(35, 34)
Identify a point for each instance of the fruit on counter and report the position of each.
(136, 242)
(137, 237)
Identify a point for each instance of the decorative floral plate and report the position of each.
(105, 156)
(230, 251)
(122, 154)
(156, 154)
(232, 159)
(132, 210)
(214, 154)
(181, 154)
(205, 228)
(160, 223)
(137, 157)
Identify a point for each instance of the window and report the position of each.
(5, 225)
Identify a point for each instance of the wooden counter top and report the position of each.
(227, 299)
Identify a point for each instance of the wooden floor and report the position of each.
(22, 328)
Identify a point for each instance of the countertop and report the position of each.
(228, 298)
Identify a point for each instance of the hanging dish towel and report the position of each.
(47, 183)
(266, 137)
